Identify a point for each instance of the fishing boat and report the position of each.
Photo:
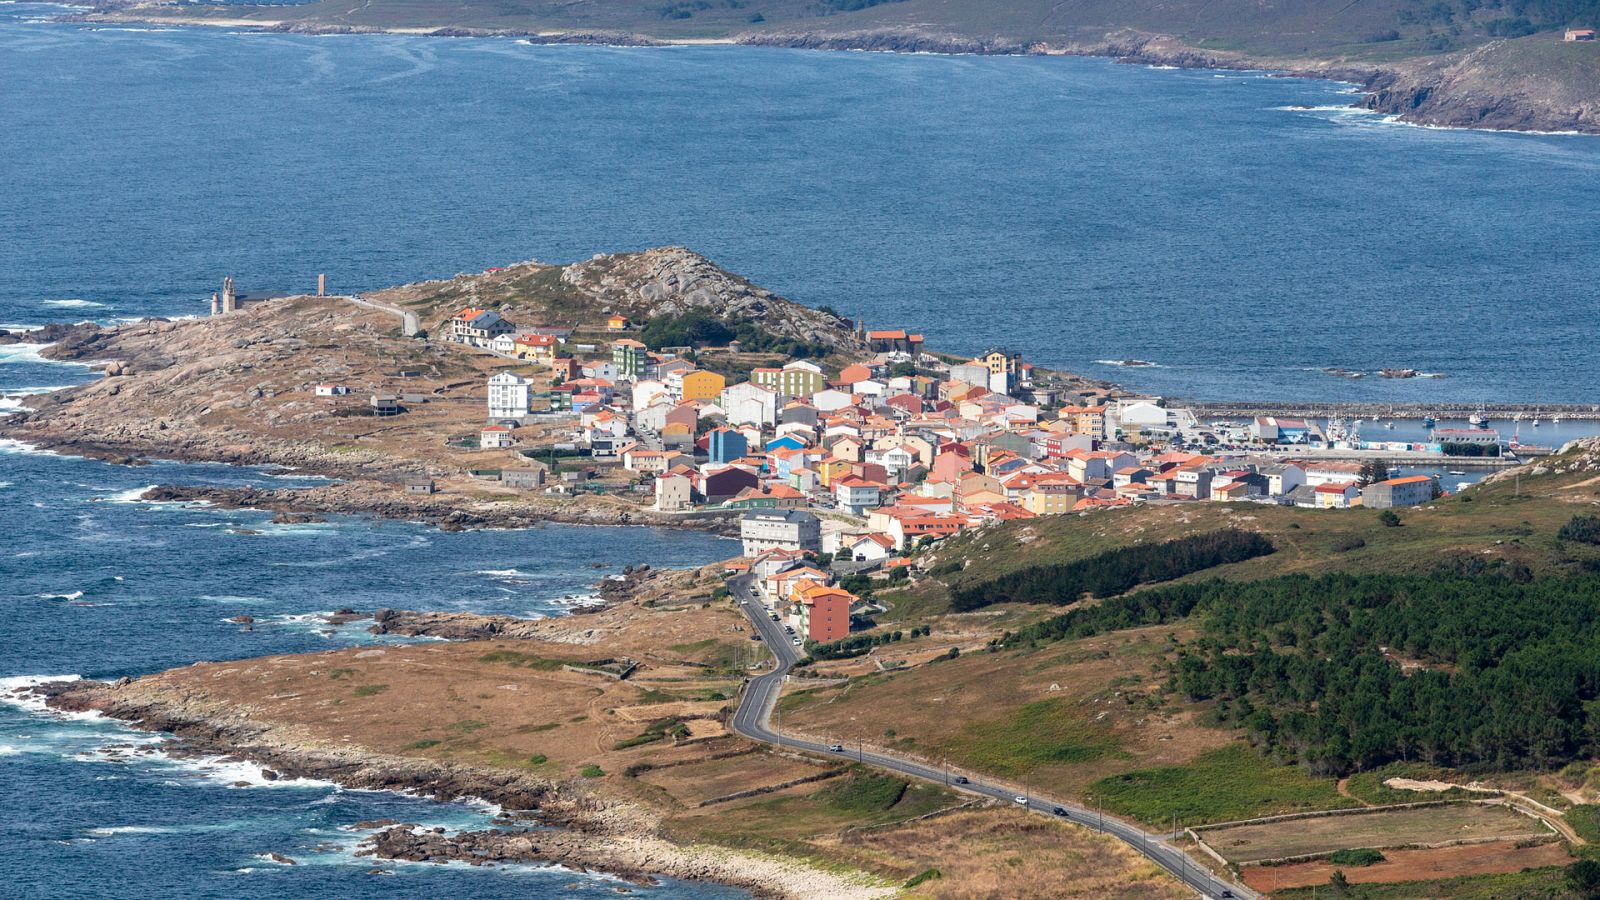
(1476, 420)
(1429, 421)
(1389, 425)
(1456, 472)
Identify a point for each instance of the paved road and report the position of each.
(752, 720)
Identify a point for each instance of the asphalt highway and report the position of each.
(753, 720)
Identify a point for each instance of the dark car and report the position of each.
(1061, 812)
(960, 779)
(755, 637)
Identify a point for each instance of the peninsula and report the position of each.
(991, 625)
(1524, 66)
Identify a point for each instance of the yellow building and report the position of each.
(703, 385)
(829, 469)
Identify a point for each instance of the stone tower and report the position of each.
(214, 309)
(228, 303)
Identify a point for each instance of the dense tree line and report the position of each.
(1349, 672)
(1115, 571)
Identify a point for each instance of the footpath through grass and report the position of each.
(1223, 785)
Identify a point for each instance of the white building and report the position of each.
(495, 437)
(749, 404)
(509, 395)
(779, 529)
(674, 493)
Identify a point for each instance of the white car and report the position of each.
(795, 642)
(1021, 800)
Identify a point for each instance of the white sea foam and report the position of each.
(73, 304)
(8, 750)
(17, 690)
(74, 595)
(132, 829)
(131, 495)
(1130, 363)
(11, 445)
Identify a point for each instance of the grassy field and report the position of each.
(1232, 782)
(1378, 829)
(1489, 526)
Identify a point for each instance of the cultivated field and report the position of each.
(1415, 865)
(1378, 829)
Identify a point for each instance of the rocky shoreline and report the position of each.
(576, 829)
(356, 498)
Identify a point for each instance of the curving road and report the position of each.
(752, 720)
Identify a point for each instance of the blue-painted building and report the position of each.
(726, 445)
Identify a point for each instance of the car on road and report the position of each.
(1226, 894)
(961, 779)
(1059, 811)
(835, 748)
(795, 642)
(774, 617)
(755, 637)
(1021, 800)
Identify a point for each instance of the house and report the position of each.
(674, 493)
(536, 347)
(761, 530)
(384, 405)
(894, 341)
(869, 548)
(495, 437)
(1337, 494)
(1194, 484)
(1409, 491)
(724, 445)
(720, 484)
(856, 495)
(749, 404)
(509, 395)
(1579, 34)
(972, 373)
(523, 479)
(420, 485)
(332, 390)
(1282, 478)
(630, 358)
(824, 612)
(638, 459)
(478, 327)
(696, 384)
(617, 323)
(796, 379)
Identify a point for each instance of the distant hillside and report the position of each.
(1417, 56)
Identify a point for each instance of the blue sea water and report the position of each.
(1076, 210)
(95, 583)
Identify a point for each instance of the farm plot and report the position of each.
(1413, 826)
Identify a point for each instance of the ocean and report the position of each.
(98, 584)
(1240, 231)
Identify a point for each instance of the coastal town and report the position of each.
(840, 467)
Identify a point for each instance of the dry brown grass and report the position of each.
(1002, 853)
(1413, 865)
(1378, 829)
(696, 782)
